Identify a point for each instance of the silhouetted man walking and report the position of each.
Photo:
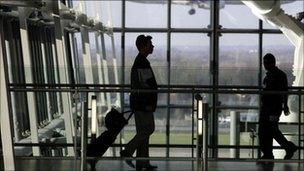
(271, 109)
(143, 104)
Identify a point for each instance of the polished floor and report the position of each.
(118, 165)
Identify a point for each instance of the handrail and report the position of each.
(160, 86)
(170, 90)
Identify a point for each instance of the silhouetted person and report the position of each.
(143, 104)
(300, 16)
(271, 109)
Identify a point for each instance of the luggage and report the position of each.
(115, 122)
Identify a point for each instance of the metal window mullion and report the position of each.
(6, 132)
(123, 27)
(115, 68)
(86, 56)
(10, 48)
(299, 127)
(169, 77)
(76, 59)
(50, 66)
(19, 73)
(73, 74)
(105, 68)
(62, 63)
(42, 78)
(215, 60)
(44, 56)
(260, 66)
(57, 77)
(101, 97)
(27, 61)
(40, 68)
(35, 64)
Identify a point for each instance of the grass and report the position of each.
(185, 138)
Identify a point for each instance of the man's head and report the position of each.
(144, 44)
(269, 61)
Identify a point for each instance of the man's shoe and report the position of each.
(146, 167)
(129, 162)
(92, 163)
(290, 150)
(265, 162)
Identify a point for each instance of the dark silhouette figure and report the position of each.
(143, 104)
(271, 109)
(300, 16)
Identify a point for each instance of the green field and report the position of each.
(184, 138)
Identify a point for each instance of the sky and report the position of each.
(143, 15)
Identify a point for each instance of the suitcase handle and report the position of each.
(131, 113)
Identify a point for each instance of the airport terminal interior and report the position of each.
(65, 64)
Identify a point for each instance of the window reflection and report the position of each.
(247, 123)
(283, 50)
(238, 59)
(190, 59)
(146, 13)
(233, 15)
(106, 11)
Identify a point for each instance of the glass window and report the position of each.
(146, 13)
(234, 14)
(190, 59)
(190, 14)
(283, 50)
(113, 54)
(159, 135)
(181, 126)
(238, 59)
(238, 99)
(181, 152)
(293, 7)
(106, 11)
(181, 99)
(247, 120)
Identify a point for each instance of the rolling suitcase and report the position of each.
(114, 122)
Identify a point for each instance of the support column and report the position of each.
(115, 68)
(105, 68)
(6, 132)
(23, 13)
(101, 99)
(234, 133)
(45, 72)
(63, 74)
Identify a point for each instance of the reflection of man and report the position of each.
(143, 104)
(271, 109)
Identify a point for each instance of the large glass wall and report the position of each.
(186, 53)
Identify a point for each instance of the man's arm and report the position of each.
(144, 74)
(285, 96)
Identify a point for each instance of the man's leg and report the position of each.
(287, 145)
(265, 139)
(143, 149)
(144, 128)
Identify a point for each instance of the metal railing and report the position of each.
(202, 137)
